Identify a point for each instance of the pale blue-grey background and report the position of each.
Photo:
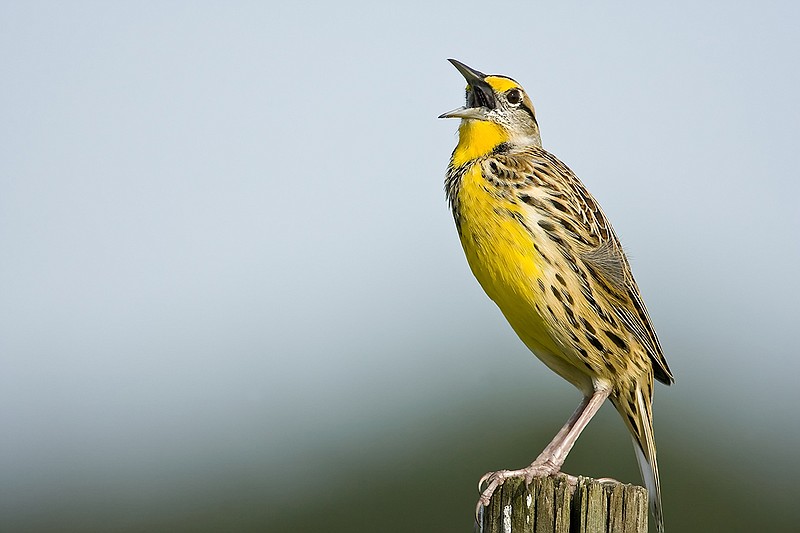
(230, 285)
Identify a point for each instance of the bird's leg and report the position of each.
(556, 452)
(553, 456)
(548, 451)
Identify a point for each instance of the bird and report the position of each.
(543, 250)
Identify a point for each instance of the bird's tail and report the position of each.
(636, 410)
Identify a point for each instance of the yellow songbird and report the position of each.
(542, 249)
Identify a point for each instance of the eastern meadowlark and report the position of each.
(542, 249)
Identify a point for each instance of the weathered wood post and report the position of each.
(552, 505)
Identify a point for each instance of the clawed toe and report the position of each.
(608, 480)
(484, 478)
(493, 480)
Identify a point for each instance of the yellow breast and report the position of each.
(500, 252)
(498, 248)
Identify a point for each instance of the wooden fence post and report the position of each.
(552, 505)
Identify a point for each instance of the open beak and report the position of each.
(480, 98)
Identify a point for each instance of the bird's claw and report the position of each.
(484, 478)
(494, 480)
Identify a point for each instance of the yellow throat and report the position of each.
(476, 138)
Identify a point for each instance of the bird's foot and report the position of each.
(573, 480)
(493, 480)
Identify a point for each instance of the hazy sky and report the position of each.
(224, 233)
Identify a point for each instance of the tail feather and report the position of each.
(644, 443)
(649, 470)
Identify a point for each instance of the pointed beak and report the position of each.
(480, 98)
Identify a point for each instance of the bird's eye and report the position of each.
(514, 97)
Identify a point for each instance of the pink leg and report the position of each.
(553, 456)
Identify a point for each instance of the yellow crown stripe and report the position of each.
(501, 84)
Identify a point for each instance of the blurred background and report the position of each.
(232, 296)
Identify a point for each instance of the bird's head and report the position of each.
(496, 106)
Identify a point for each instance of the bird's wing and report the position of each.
(608, 262)
(548, 185)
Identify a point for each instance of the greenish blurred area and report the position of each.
(419, 473)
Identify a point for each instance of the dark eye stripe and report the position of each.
(529, 111)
